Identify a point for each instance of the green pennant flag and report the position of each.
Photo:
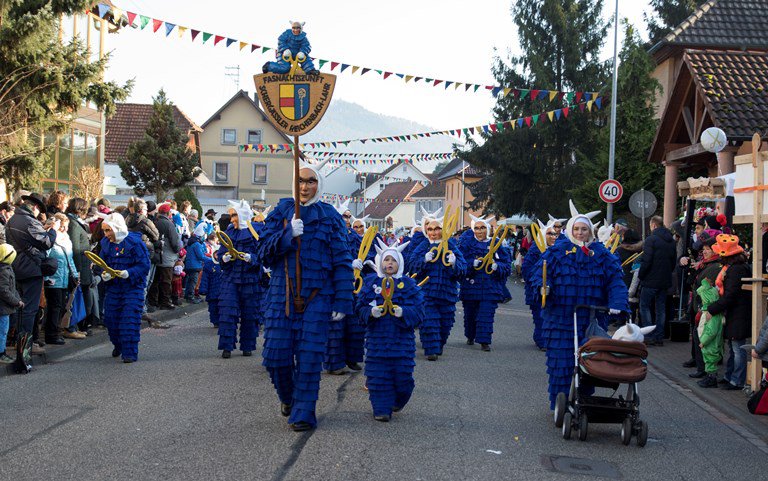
(428, 80)
(524, 93)
(569, 97)
(466, 132)
(206, 36)
(322, 62)
(144, 21)
(476, 87)
(535, 119)
(264, 49)
(500, 126)
(379, 72)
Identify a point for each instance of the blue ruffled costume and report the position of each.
(481, 292)
(575, 278)
(295, 43)
(240, 294)
(532, 297)
(124, 300)
(390, 343)
(210, 287)
(295, 343)
(441, 292)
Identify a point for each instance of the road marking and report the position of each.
(80, 413)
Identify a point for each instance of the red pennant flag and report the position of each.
(508, 124)
(565, 111)
(387, 74)
(578, 96)
(528, 121)
(334, 65)
(156, 24)
(195, 33)
(131, 17)
(581, 107)
(436, 83)
(254, 47)
(493, 127)
(560, 95)
(471, 130)
(217, 39)
(534, 94)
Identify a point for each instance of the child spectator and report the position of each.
(194, 264)
(710, 331)
(177, 291)
(210, 282)
(10, 300)
(391, 305)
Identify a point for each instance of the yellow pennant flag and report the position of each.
(589, 105)
(408, 78)
(507, 90)
(243, 45)
(181, 31)
(551, 115)
(552, 96)
(116, 14)
(355, 68)
(456, 85)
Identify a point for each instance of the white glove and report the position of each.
(297, 227)
(286, 55)
(376, 312)
(357, 264)
(301, 57)
(451, 258)
(123, 274)
(477, 262)
(247, 257)
(226, 257)
(614, 312)
(337, 316)
(106, 276)
(494, 266)
(267, 270)
(398, 311)
(429, 256)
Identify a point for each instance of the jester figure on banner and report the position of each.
(551, 231)
(440, 259)
(292, 49)
(241, 290)
(483, 287)
(296, 323)
(580, 270)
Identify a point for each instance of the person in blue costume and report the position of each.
(210, 286)
(293, 42)
(296, 330)
(580, 270)
(418, 235)
(552, 231)
(390, 342)
(441, 292)
(126, 253)
(240, 291)
(481, 292)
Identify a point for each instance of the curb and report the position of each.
(54, 354)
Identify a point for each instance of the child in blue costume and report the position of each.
(481, 292)
(293, 41)
(295, 341)
(441, 292)
(210, 284)
(390, 342)
(126, 253)
(579, 271)
(240, 289)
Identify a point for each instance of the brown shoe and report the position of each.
(74, 335)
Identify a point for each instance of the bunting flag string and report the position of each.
(492, 128)
(357, 200)
(366, 155)
(550, 95)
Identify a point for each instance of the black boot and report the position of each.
(709, 381)
(354, 366)
(247, 353)
(383, 419)
(285, 409)
(116, 352)
(265, 68)
(226, 354)
(485, 347)
(470, 342)
(300, 426)
(690, 363)
(697, 374)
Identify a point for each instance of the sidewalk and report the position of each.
(55, 353)
(668, 360)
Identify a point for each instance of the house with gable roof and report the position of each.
(374, 184)
(713, 69)
(396, 202)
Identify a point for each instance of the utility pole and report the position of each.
(612, 151)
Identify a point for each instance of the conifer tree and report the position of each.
(667, 14)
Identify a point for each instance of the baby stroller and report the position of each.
(603, 363)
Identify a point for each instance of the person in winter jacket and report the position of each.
(735, 304)
(160, 292)
(293, 42)
(761, 345)
(126, 253)
(296, 321)
(57, 285)
(78, 232)
(480, 291)
(10, 300)
(193, 263)
(441, 291)
(710, 333)
(580, 271)
(390, 305)
(656, 265)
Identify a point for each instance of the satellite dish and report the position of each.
(713, 140)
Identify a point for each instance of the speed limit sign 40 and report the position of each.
(611, 191)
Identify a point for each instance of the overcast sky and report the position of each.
(444, 39)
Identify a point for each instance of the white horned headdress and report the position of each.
(243, 210)
(315, 168)
(360, 219)
(383, 251)
(342, 207)
(483, 220)
(583, 218)
(427, 217)
(260, 215)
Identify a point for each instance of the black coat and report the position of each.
(9, 297)
(31, 241)
(658, 259)
(81, 242)
(735, 303)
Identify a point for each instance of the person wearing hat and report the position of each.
(480, 291)
(580, 271)
(735, 304)
(657, 264)
(31, 240)
(297, 321)
(126, 253)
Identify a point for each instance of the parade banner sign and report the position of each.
(295, 104)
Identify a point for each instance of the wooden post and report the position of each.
(298, 302)
(755, 367)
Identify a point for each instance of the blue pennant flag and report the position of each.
(519, 122)
(599, 102)
(344, 66)
(543, 94)
(103, 9)
(400, 75)
(230, 41)
(587, 96)
(558, 113)
(486, 129)
(495, 91)
(169, 28)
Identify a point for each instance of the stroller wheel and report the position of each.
(561, 406)
(626, 431)
(583, 426)
(567, 425)
(642, 434)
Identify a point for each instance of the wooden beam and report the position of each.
(758, 308)
(688, 119)
(685, 152)
(701, 115)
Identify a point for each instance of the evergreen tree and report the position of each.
(161, 160)
(667, 14)
(185, 193)
(635, 130)
(533, 168)
(42, 81)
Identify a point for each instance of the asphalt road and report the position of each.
(182, 412)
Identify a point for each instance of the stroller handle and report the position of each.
(591, 308)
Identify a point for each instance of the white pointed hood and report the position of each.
(260, 215)
(315, 168)
(482, 219)
(427, 217)
(116, 222)
(583, 218)
(342, 207)
(362, 220)
(604, 232)
(383, 251)
(244, 212)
